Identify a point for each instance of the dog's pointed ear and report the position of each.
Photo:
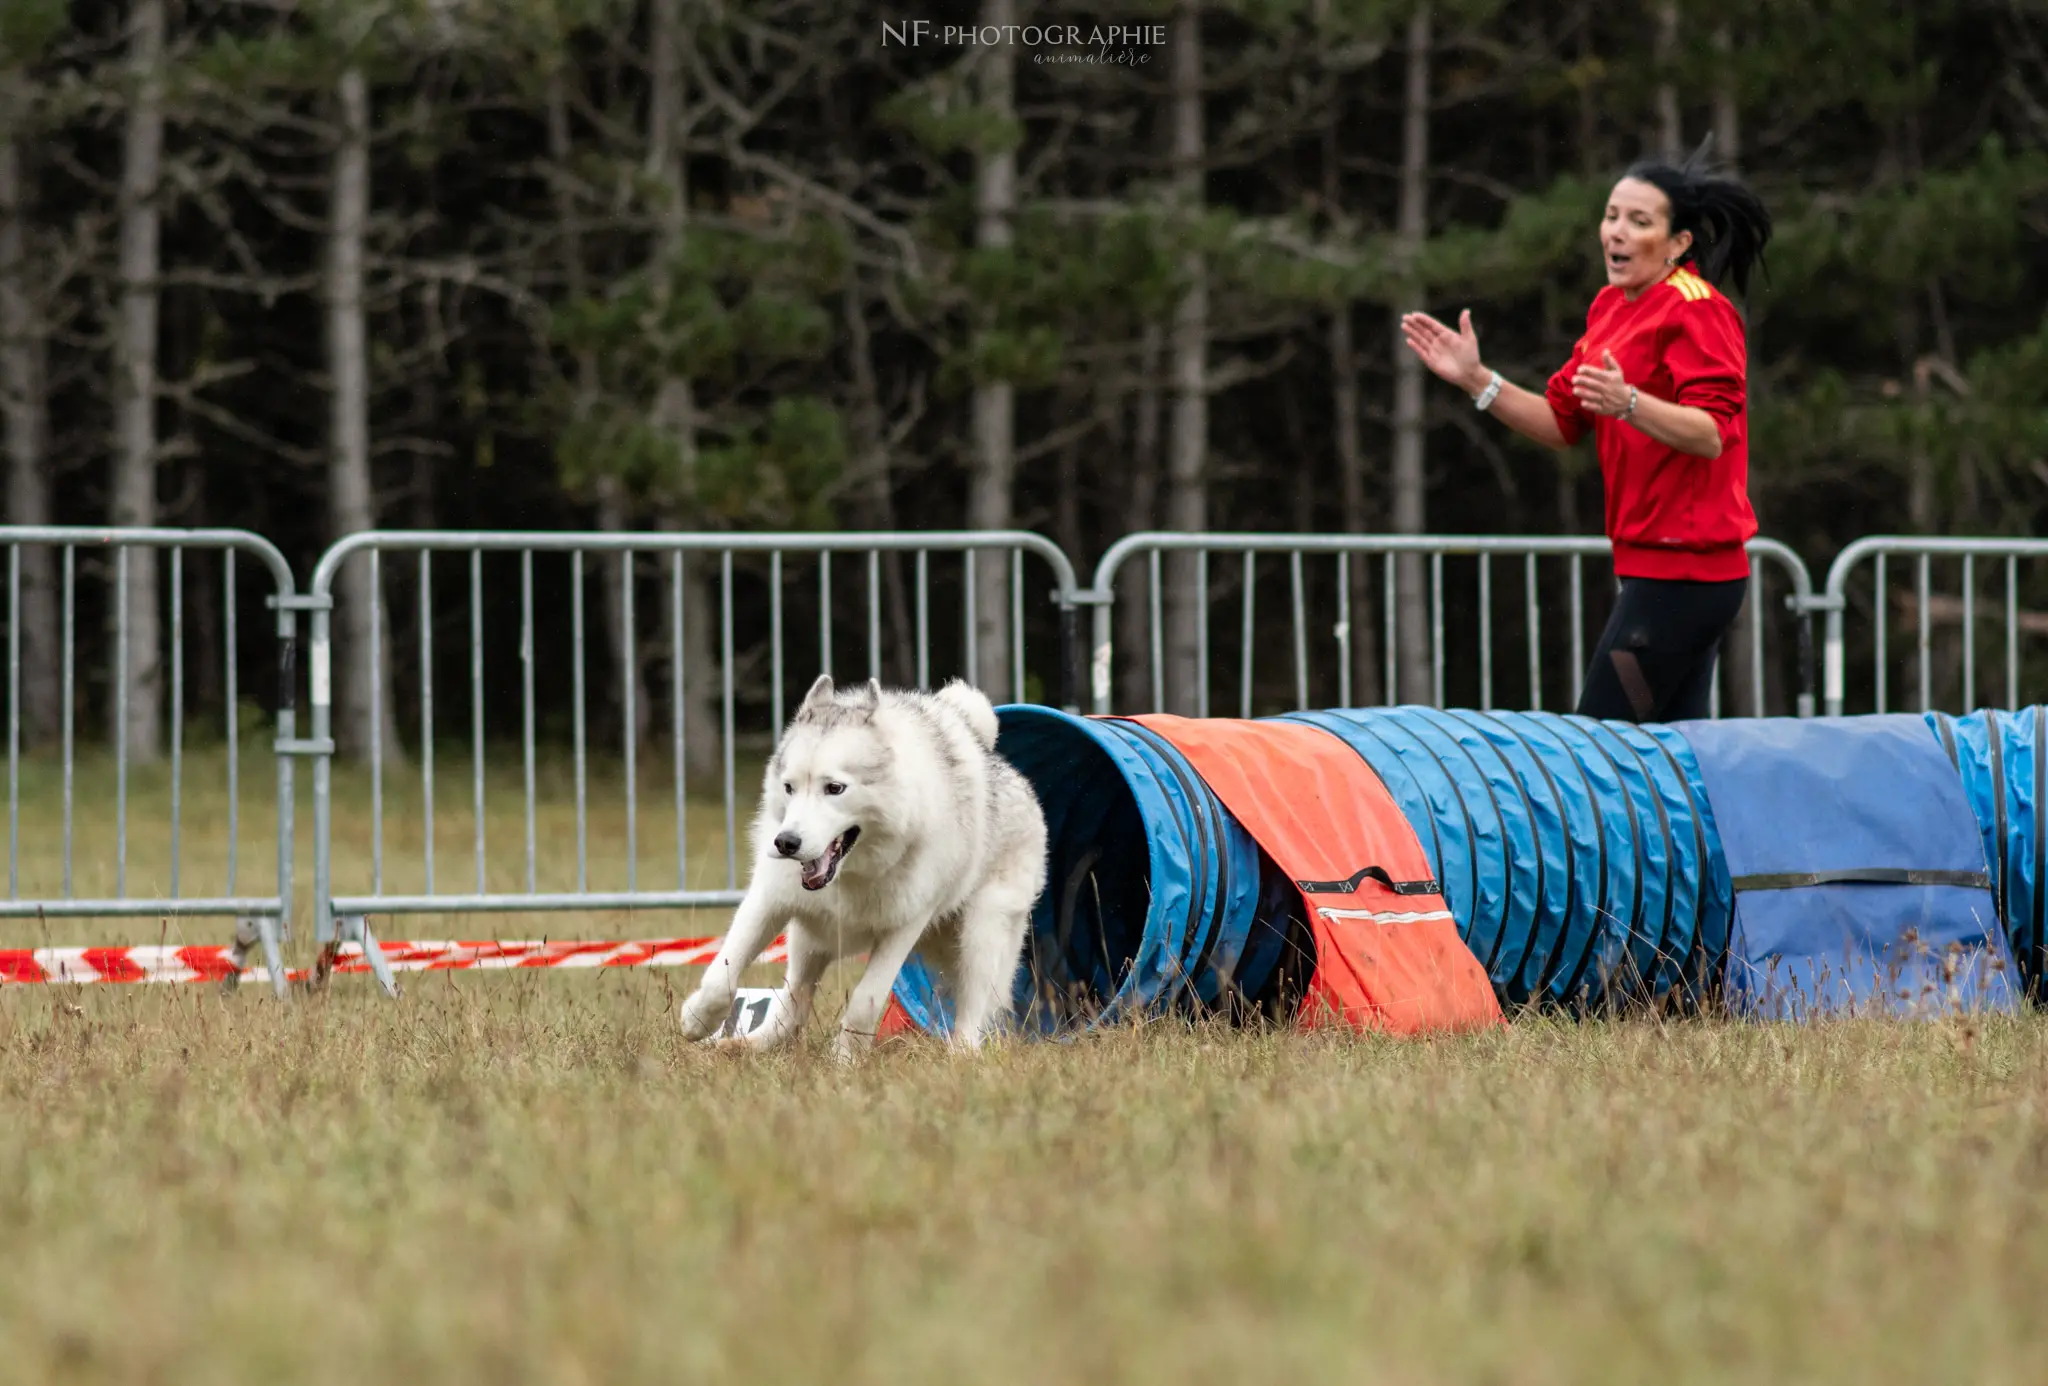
(820, 694)
(868, 695)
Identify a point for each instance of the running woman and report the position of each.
(1661, 380)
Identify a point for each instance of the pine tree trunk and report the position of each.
(878, 499)
(133, 497)
(1141, 512)
(1410, 483)
(675, 406)
(359, 617)
(24, 402)
(1187, 502)
(1357, 513)
(991, 487)
(612, 510)
(1670, 131)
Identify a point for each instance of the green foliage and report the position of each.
(941, 117)
(727, 314)
(27, 28)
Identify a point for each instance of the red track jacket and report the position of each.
(1670, 515)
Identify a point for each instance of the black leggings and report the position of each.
(1655, 660)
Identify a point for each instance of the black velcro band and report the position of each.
(1865, 875)
(1369, 873)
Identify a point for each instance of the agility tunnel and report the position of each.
(1409, 869)
(2002, 759)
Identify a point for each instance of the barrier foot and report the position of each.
(273, 956)
(248, 934)
(356, 928)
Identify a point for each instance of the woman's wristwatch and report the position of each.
(1485, 398)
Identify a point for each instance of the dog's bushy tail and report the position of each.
(967, 700)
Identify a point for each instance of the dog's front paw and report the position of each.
(702, 1015)
(849, 1047)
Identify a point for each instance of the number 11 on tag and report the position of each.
(751, 1007)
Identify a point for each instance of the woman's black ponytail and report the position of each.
(1730, 225)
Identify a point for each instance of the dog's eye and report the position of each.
(788, 788)
(834, 787)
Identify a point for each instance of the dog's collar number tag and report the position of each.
(751, 1007)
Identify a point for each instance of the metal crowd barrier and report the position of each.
(1961, 610)
(1320, 651)
(65, 571)
(764, 613)
(742, 595)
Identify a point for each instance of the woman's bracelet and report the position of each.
(1629, 412)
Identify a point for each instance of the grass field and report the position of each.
(513, 1179)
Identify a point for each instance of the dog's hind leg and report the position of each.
(808, 959)
(991, 940)
(862, 1018)
(753, 925)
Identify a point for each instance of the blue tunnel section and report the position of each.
(2003, 760)
(1156, 898)
(1858, 868)
(1588, 865)
(1580, 858)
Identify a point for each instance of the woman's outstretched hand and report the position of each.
(1451, 355)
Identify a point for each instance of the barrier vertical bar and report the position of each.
(1926, 673)
(970, 605)
(775, 671)
(577, 697)
(1016, 625)
(2012, 632)
(1344, 629)
(526, 730)
(1155, 600)
(1756, 637)
(1391, 692)
(121, 722)
(825, 611)
(1533, 616)
(924, 653)
(1202, 630)
(1436, 627)
(874, 615)
(726, 678)
(70, 680)
(1879, 612)
(287, 794)
(14, 721)
(676, 730)
(1300, 632)
(376, 656)
(426, 600)
(1251, 582)
(234, 727)
(1969, 632)
(629, 656)
(177, 710)
(1578, 585)
(476, 706)
(1485, 634)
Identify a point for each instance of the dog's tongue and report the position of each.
(817, 871)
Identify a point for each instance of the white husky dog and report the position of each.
(885, 817)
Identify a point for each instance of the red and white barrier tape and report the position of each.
(164, 963)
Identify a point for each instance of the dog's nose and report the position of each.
(788, 843)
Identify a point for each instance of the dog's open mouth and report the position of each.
(819, 871)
